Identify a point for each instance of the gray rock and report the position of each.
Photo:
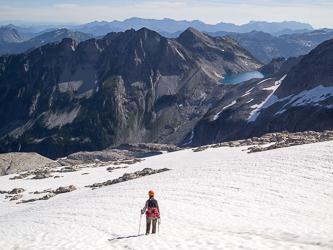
(17, 191)
(16, 197)
(68, 169)
(199, 149)
(42, 176)
(27, 201)
(48, 196)
(67, 189)
(129, 176)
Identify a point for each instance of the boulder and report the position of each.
(16, 197)
(43, 176)
(47, 197)
(17, 191)
(67, 189)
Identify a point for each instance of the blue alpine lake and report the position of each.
(241, 77)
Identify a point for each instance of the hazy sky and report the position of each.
(318, 13)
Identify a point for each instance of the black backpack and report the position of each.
(152, 203)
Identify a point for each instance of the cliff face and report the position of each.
(298, 100)
(137, 87)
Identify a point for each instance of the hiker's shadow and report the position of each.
(126, 237)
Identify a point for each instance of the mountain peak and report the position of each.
(191, 35)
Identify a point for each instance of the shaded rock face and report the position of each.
(295, 101)
(137, 87)
(280, 64)
(273, 66)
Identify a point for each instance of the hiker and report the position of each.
(152, 212)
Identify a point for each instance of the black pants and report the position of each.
(149, 221)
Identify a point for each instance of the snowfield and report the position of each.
(220, 198)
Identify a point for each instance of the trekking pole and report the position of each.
(140, 223)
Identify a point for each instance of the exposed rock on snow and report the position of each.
(61, 190)
(16, 197)
(129, 176)
(46, 197)
(69, 169)
(43, 176)
(16, 191)
(199, 149)
(85, 157)
(142, 148)
(116, 154)
(51, 193)
(279, 140)
(292, 139)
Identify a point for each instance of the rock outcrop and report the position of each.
(12, 163)
(129, 176)
(274, 141)
(68, 189)
(51, 194)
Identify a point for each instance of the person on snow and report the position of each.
(152, 212)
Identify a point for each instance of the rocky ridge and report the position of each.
(12, 163)
(275, 141)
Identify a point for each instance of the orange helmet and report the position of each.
(151, 193)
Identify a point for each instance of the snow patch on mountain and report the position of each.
(263, 81)
(310, 97)
(218, 114)
(257, 107)
(191, 138)
(248, 92)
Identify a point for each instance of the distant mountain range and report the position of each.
(8, 35)
(17, 46)
(166, 25)
(263, 46)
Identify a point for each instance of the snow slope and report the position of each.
(220, 198)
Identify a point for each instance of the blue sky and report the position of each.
(318, 13)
